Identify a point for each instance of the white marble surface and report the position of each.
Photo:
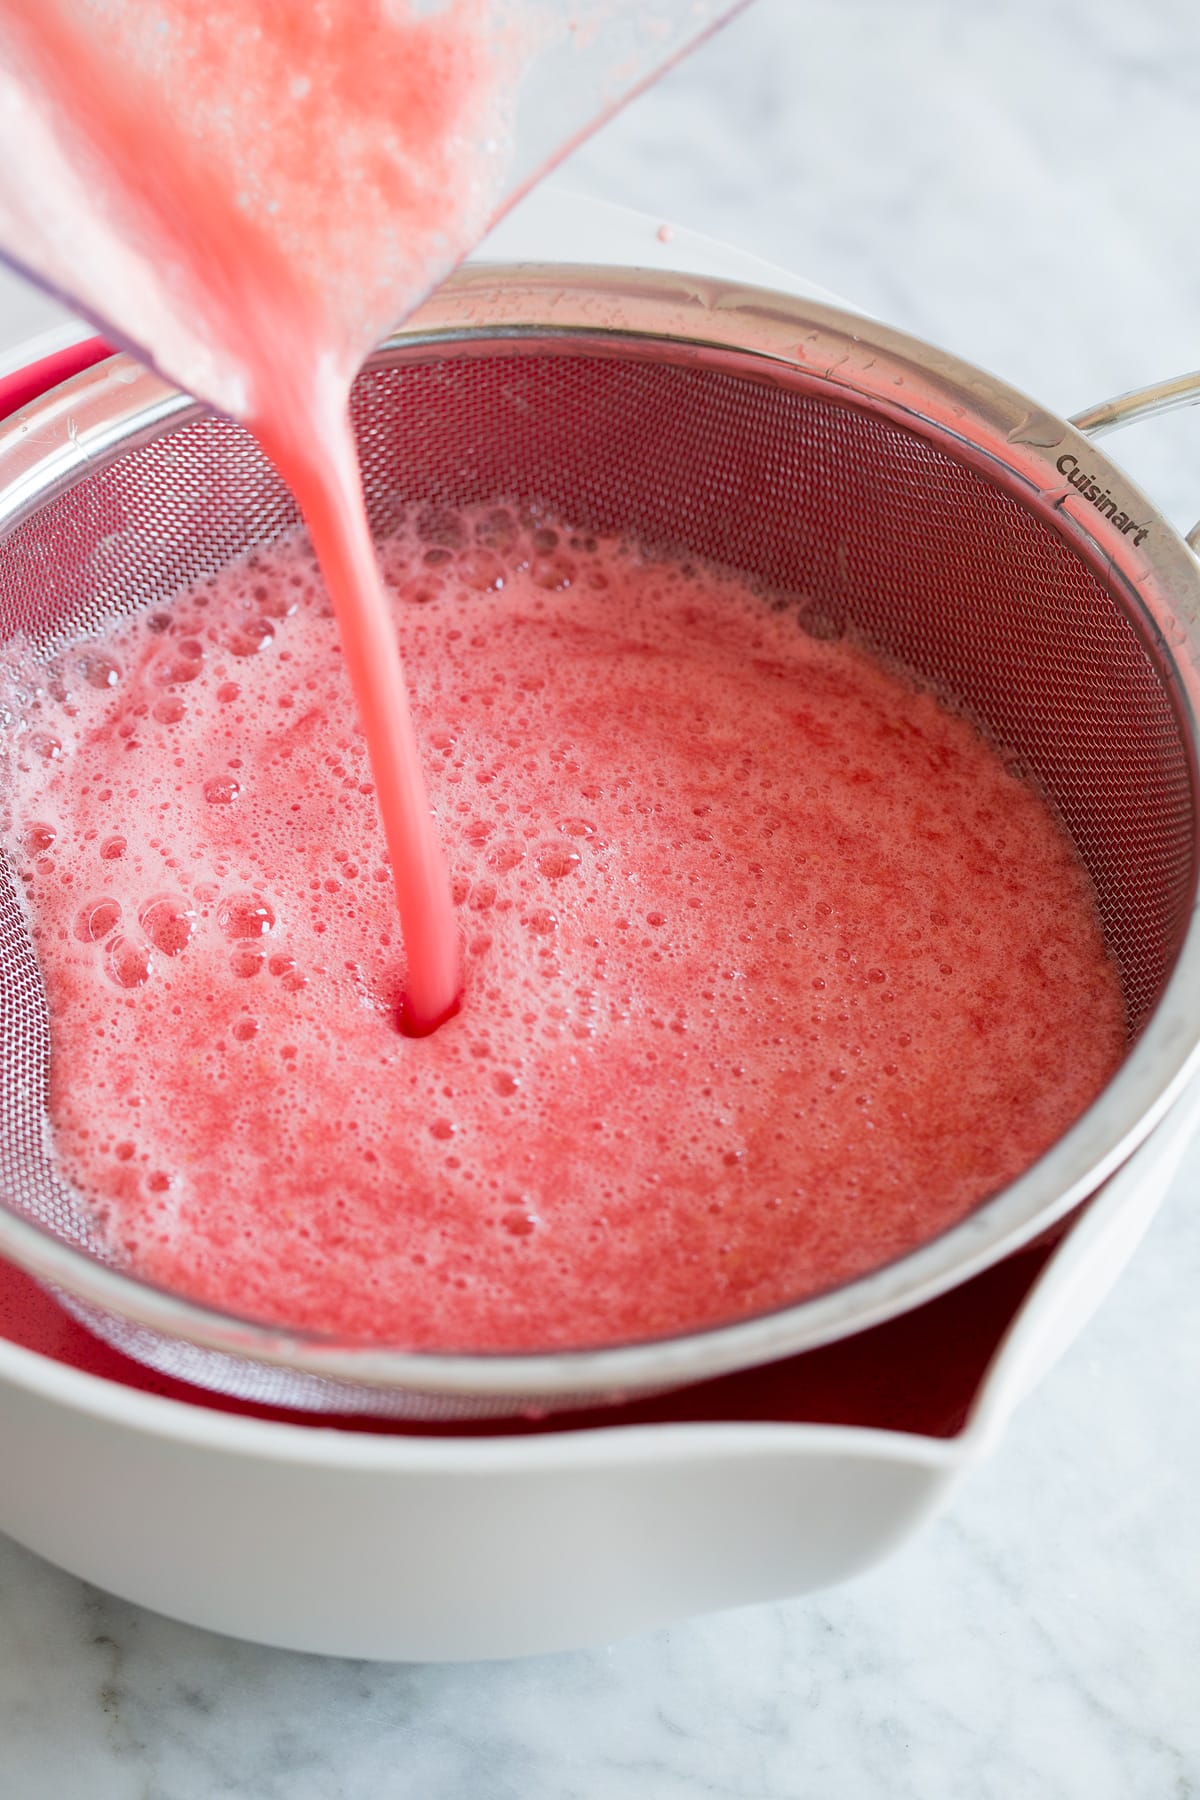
(1015, 181)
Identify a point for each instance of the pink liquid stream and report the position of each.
(286, 311)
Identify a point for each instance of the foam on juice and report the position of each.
(773, 969)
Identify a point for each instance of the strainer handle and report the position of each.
(1143, 403)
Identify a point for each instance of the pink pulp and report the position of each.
(773, 969)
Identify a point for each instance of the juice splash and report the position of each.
(703, 1073)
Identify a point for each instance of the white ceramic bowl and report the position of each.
(399, 1544)
(419, 1547)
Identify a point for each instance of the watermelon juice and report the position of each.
(773, 969)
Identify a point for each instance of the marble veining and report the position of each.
(1014, 181)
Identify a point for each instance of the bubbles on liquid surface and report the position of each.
(128, 963)
(556, 860)
(245, 916)
(497, 530)
(169, 923)
(37, 839)
(554, 573)
(251, 638)
(181, 662)
(481, 570)
(99, 671)
(507, 855)
(222, 790)
(95, 920)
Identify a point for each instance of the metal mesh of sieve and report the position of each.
(852, 520)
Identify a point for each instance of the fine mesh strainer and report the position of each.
(884, 487)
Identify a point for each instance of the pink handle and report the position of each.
(24, 385)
